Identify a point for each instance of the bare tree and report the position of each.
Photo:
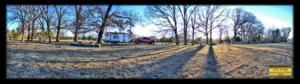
(28, 29)
(86, 28)
(186, 12)
(247, 27)
(104, 21)
(285, 33)
(276, 35)
(105, 17)
(221, 30)
(227, 38)
(33, 15)
(164, 16)
(47, 16)
(273, 35)
(255, 32)
(60, 13)
(250, 30)
(78, 20)
(82, 22)
(42, 25)
(241, 18)
(211, 17)
(203, 23)
(19, 14)
(194, 25)
(269, 37)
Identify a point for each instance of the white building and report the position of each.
(117, 37)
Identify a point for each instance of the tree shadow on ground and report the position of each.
(164, 68)
(168, 67)
(211, 67)
(114, 54)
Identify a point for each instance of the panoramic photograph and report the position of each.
(149, 41)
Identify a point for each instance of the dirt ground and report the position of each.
(144, 61)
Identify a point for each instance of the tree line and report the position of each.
(206, 18)
(43, 20)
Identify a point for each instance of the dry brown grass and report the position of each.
(193, 69)
(60, 60)
(234, 61)
(284, 50)
(65, 57)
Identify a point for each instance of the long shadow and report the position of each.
(77, 53)
(211, 68)
(169, 67)
(164, 68)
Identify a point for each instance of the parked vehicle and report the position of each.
(144, 40)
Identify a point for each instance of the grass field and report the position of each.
(60, 60)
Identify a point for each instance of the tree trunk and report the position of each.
(22, 31)
(75, 35)
(32, 30)
(43, 32)
(76, 29)
(58, 31)
(220, 39)
(193, 36)
(185, 36)
(44, 36)
(210, 38)
(221, 33)
(200, 43)
(185, 31)
(234, 33)
(206, 35)
(102, 27)
(176, 38)
(99, 41)
(49, 32)
(28, 34)
(210, 33)
(57, 35)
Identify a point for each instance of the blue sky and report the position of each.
(270, 15)
(282, 13)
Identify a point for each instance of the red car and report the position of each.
(144, 40)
